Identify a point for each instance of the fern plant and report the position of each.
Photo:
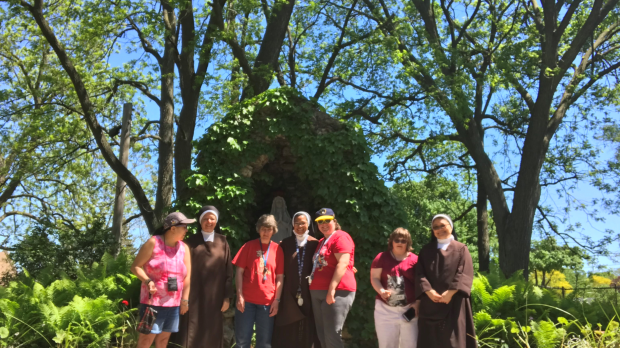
(86, 312)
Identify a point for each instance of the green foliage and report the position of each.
(433, 195)
(333, 166)
(48, 252)
(86, 312)
(547, 256)
(515, 313)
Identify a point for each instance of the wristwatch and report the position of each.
(147, 281)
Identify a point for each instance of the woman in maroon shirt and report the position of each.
(392, 275)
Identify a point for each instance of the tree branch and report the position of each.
(460, 217)
(146, 45)
(22, 213)
(141, 86)
(321, 87)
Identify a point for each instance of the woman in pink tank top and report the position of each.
(163, 266)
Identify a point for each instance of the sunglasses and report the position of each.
(321, 222)
(400, 241)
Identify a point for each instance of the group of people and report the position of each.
(297, 293)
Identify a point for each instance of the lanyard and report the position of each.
(315, 258)
(265, 257)
(300, 264)
(166, 257)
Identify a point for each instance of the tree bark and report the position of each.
(483, 229)
(267, 58)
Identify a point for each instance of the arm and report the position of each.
(341, 268)
(228, 291)
(239, 283)
(276, 303)
(375, 281)
(187, 260)
(144, 255)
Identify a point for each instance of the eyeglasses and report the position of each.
(321, 222)
(400, 241)
(300, 223)
(439, 227)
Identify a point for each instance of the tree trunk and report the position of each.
(267, 58)
(191, 82)
(163, 196)
(544, 276)
(483, 229)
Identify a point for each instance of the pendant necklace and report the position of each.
(300, 267)
(265, 258)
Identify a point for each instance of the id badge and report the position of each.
(172, 284)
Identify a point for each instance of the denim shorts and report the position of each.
(167, 319)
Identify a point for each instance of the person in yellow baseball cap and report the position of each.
(332, 281)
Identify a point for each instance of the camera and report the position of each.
(172, 284)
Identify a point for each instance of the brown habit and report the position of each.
(294, 326)
(445, 325)
(211, 283)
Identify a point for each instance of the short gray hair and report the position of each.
(267, 220)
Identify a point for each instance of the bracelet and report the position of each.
(184, 300)
(147, 281)
(277, 299)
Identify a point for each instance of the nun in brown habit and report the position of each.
(211, 280)
(294, 326)
(444, 276)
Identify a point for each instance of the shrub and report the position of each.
(515, 313)
(86, 312)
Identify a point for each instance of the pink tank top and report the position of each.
(165, 262)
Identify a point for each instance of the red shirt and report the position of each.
(255, 289)
(398, 277)
(339, 242)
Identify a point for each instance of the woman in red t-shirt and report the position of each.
(392, 275)
(259, 277)
(332, 282)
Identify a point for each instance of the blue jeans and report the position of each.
(244, 326)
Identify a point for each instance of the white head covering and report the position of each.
(206, 212)
(442, 216)
(301, 239)
(301, 213)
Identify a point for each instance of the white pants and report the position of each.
(393, 330)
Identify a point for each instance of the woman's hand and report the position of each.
(446, 297)
(226, 304)
(184, 307)
(330, 299)
(240, 303)
(434, 296)
(152, 288)
(274, 308)
(385, 294)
